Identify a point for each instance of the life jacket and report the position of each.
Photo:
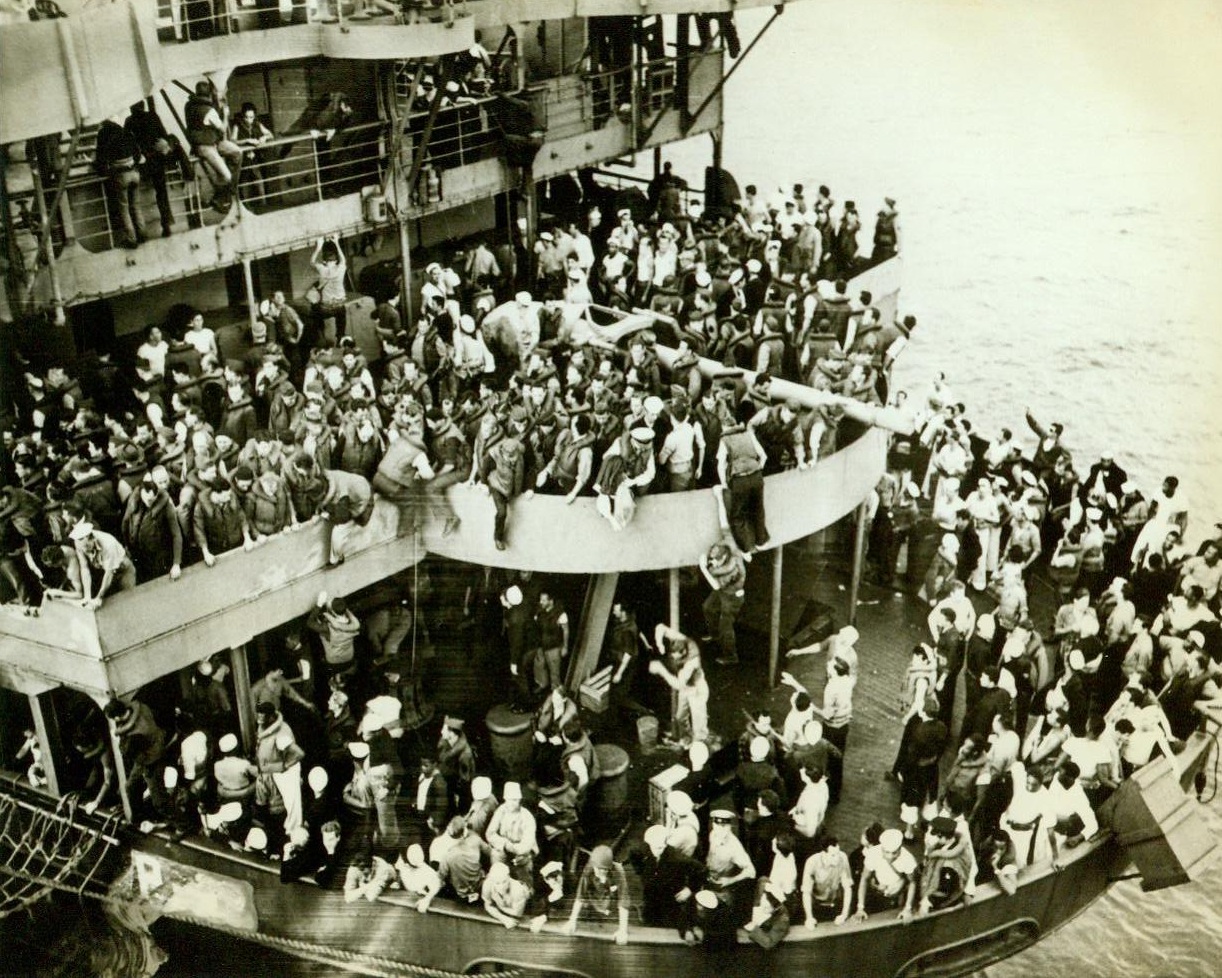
(741, 456)
(198, 133)
(568, 453)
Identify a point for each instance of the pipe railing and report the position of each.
(181, 21)
(284, 172)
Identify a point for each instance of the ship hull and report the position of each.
(315, 924)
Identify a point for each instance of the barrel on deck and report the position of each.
(509, 732)
(610, 793)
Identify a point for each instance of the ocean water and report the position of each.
(1056, 168)
(1057, 171)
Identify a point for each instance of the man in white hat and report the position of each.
(97, 551)
(548, 895)
(888, 878)
(513, 834)
(483, 805)
(681, 823)
(730, 873)
(235, 775)
(549, 266)
(420, 881)
(628, 467)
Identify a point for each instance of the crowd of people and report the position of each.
(119, 473)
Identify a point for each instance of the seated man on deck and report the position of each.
(504, 897)
(948, 867)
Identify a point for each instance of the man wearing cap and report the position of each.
(548, 897)
(627, 469)
(97, 550)
(483, 805)
(888, 878)
(549, 266)
(886, 232)
(219, 522)
(603, 887)
(948, 868)
(730, 872)
(235, 775)
(513, 834)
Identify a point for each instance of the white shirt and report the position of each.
(889, 873)
(1064, 802)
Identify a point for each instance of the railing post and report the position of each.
(317, 169)
(45, 731)
(774, 617)
(859, 533)
(120, 770)
(241, 691)
(252, 302)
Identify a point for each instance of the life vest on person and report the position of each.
(199, 133)
(568, 455)
(741, 456)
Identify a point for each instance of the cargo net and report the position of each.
(42, 851)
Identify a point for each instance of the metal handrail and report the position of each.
(226, 17)
(292, 179)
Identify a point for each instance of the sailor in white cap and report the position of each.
(888, 877)
(513, 834)
(730, 871)
(483, 805)
(420, 881)
(627, 466)
(577, 289)
(235, 775)
(548, 896)
(96, 551)
(681, 823)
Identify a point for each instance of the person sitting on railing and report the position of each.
(249, 132)
(207, 118)
(948, 867)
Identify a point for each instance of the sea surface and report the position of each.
(1058, 169)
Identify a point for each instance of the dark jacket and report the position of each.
(662, 877)
(218, 528)
(266, 514)
(116, 149)
(153, 536)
